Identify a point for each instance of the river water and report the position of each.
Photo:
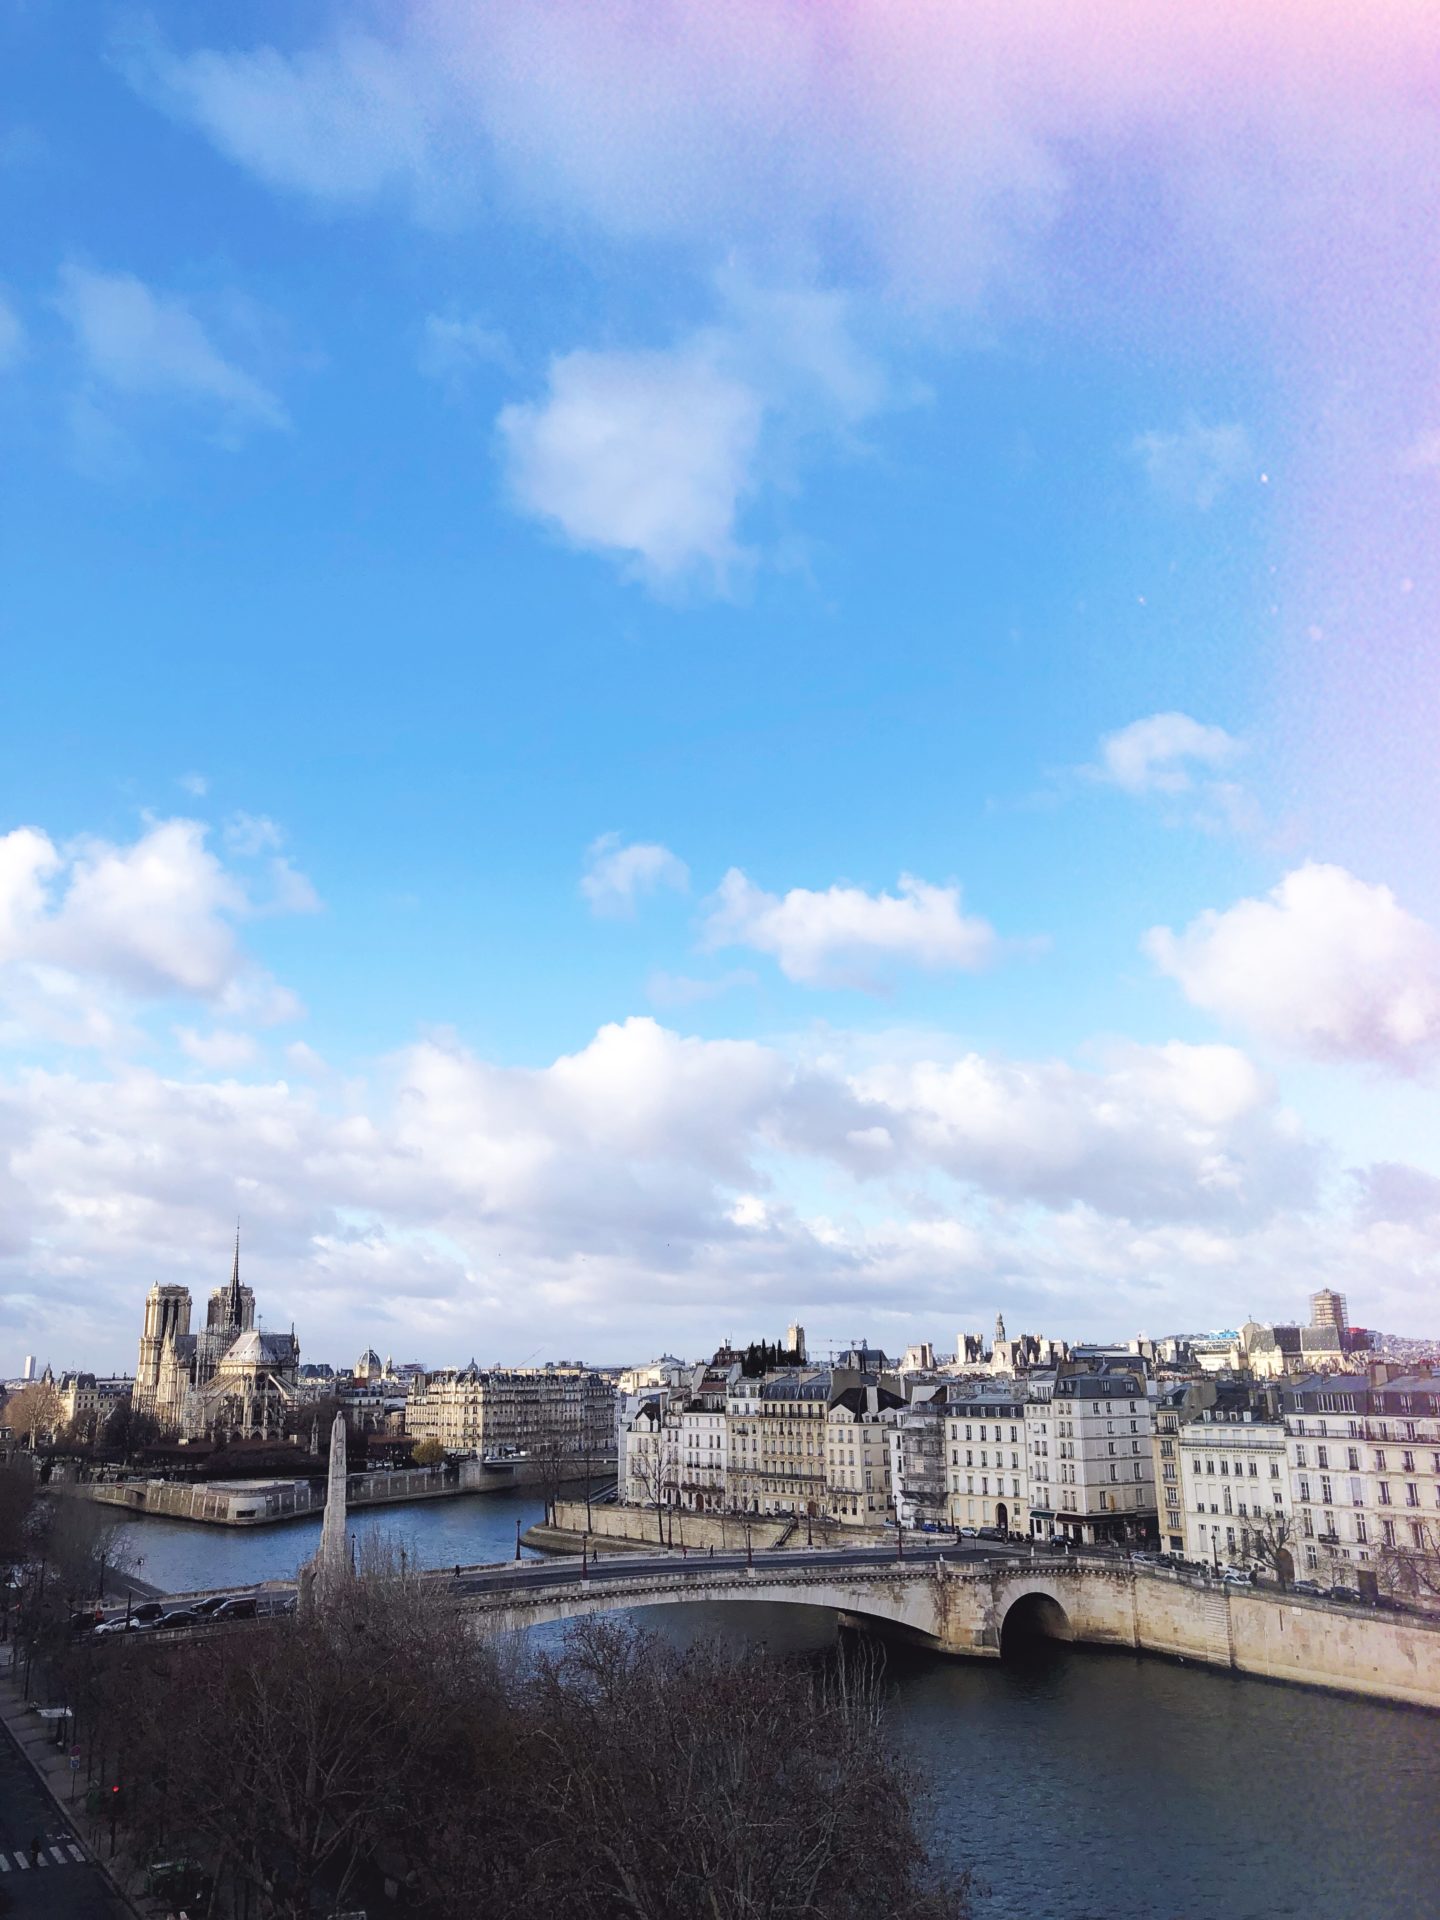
(1077, 1785)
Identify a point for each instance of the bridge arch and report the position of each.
(1033, 1617)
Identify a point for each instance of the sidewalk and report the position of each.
(51, 1764)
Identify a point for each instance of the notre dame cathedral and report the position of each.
(230, 1380)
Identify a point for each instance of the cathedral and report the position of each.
(227, 1381)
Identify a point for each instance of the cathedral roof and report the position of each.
(256, 1349)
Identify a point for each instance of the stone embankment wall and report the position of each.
(1250, 1630)
(263, 1503)
(962, 1607)
(637, 1526)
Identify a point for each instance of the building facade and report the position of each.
(1235, 1490)
(502, 1411)
(1092, 1432)
(987, 1462)
(1363, 1455)
(858, 1423)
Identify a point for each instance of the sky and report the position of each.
(664, 668)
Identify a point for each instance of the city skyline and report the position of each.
(815, 700)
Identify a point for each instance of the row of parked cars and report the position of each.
(216, 1609)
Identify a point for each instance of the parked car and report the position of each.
(241, 1606)
(1232, 1578)
(928, 1526)
(212, 1603)
(85, 1620)
(990, 1533)
(1237, 1573)
(182, 1617)
(1143, 1559)
(1343, 1593)
(1311, 1587)
(120, 1625)
(969, 1533)
(148, 1613)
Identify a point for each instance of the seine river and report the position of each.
(1079, 1785)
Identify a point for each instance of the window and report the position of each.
(1407, 1461)
(1352, 1458)
(1384, 1493)
(1300, 1456)
(1322, 1456)
(1325, 1493)
(1304, 1490)
(1387, 1527)
(1360, 1532)
(1412, 1494)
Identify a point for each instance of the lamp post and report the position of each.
(517, 1536)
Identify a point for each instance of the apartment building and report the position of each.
(1363, 1454)
(776, 1451)
(1235, 1488)
(857, 1454)
(986, 1458)
(1089, 1445)
(520, 1409)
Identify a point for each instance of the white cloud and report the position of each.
(1195, 464)
(1423, 453)
(1161, 753)
(1167, 1132)
(194, 784)
(341, 123)
(650, 1184)
(847, 937)
(292, 891)
(87, 928)
(219, 1051)
(644, 454)
(452, 345)
(617, 873)
(251, 833)
(1326, 966)
(682, 990)
(136, 342)
(12, 336)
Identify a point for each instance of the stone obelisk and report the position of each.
(332, 1562)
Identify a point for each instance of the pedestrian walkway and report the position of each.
(41, 1804)
(66, 1854)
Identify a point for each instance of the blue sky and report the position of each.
(663, 669)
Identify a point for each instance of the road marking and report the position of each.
(4, 1864)
(57, 1856)
(22, 1863)
(76, 1853)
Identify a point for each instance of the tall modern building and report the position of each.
(1327, 1309)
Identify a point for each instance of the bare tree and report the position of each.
(1269, 1538)
(35, 1412)
(654, 1469)
(1412, 1572)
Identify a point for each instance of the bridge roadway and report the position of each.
(968, 1599)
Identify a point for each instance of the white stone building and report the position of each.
(857, 1455)
(1089, 1447)
(1364, 1467)
(1235, 1489)
(986, 1458)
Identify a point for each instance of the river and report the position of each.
(1078, 1785)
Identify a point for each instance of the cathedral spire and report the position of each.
(236, 1316)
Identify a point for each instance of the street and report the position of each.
(62, 1885)
(631, 1566)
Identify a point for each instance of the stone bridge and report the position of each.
(980, 1608)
